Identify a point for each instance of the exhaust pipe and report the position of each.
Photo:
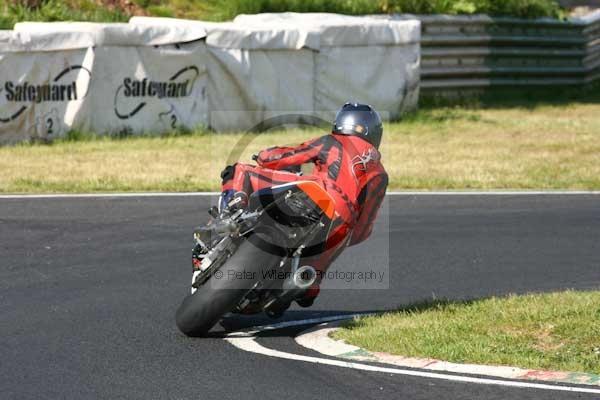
(301, 279)
(292, 288)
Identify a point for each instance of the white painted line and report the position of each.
(317, 338)
(249, 344)
(201, 194)
(245, 340)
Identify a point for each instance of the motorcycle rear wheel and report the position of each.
(199, 312)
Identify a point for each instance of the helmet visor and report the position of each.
(351, 129)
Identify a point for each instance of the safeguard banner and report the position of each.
(41, 93)
(103, 78)
(154, 75)
(147, 89)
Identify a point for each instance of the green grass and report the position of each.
(558, 331)
(219, 10)
(55, 10)
(517, 8)
(547, 146)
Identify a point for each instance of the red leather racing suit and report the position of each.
(348, 167)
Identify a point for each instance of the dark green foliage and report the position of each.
(516, 8)
(89, 10)
(54, 10)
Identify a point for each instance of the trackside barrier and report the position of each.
(109, 78)
(156, 74)
(159, 74)
(464, 52)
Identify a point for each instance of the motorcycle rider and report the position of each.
(347, 164)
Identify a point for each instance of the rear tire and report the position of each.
(199, 312)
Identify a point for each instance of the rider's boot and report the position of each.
(233, 202)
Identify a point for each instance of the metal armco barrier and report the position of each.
(466, 52)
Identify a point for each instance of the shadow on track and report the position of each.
(236, 322)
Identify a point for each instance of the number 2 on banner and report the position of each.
(50, 125)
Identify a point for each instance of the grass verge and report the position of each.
(557, 331)
(535, 147)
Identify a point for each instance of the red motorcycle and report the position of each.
(255, 259)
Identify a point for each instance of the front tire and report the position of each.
(199, 312)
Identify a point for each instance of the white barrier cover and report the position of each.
(177, 23)
(115, 34)
(254, 73)
(271, 64)
(41, 92)
(103, 78)
(271, 37)
(147, 89)
(363, 59)
(11, 41)
(340, 30)
(386, 77)
(155, 74)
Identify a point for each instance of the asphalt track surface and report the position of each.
(89, 286)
